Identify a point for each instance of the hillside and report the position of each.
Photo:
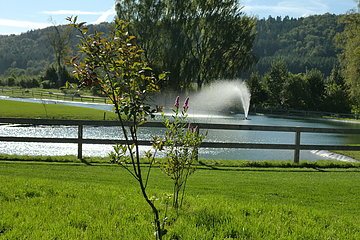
(32, 51)
(303, 43)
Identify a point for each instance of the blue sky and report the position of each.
(18, 16)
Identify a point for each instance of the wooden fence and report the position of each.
(296, 146)
(303, 113)
(50, 95)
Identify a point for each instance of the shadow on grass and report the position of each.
(83, 160)
(216, 165)
(305, 167)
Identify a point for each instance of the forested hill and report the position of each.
(32, 51)
(303, 43)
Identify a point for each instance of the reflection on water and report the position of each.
(212, 135)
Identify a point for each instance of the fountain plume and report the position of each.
(223, 95)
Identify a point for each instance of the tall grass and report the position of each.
(62, 201)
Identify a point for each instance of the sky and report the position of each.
(17, 16)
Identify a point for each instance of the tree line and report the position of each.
(279, 88)
(200, 41)
(177, 45)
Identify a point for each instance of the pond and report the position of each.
(212, 135)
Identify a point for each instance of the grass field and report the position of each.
(203, 163)
(66, 199)
(57, 94)
(52, 111)
(75, 201)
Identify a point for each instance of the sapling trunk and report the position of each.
(158, 230)
(137, 169)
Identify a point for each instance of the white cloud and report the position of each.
(16, 26)
(22, 24)
(71, 12)
(106, 15)
(291, 8)
(102, 16)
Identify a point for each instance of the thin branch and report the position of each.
(150, 166)
(133, 174)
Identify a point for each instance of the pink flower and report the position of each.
(193, 129)
(177, 100)
(186, 104)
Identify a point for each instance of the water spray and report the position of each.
(221, 95)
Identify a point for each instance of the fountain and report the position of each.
(222, 96)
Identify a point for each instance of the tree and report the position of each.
(315, 88)
(196, 41)
(275, 80)
(221, 40)
(257, 91)
(358, 5)
(336, 97)
(144, 18)
(59, 40)
(349, 42)
(295, 92)
(116, 64)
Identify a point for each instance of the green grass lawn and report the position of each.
(40, 93)
(52, 111)
(75, 201)
(203, 163)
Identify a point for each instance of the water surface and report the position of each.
(212, 135)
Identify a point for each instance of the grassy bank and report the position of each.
(203, 163)
(352, 154)
(76, 201)
(52, 111)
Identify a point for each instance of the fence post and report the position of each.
(80, 138)
(297, 146)
(197, 149)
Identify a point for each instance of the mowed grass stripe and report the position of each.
(53, 111)
(47, 201)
